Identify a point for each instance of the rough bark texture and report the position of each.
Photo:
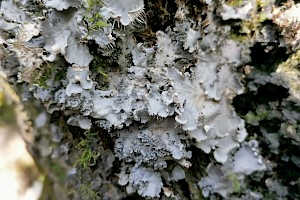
(159, 99)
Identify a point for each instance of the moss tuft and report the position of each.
(235, 182)
(234, 3)
(88, 156)
(100, 68)
(87, 192)
(93, 17)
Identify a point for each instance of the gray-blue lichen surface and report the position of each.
(164, 94)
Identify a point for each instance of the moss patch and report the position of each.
(93, 18)
(88, 157)
(234, 3)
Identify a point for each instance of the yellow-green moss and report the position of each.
(289, 70)
(235, 182)
(238, 37)
(96, 22)
(252, 117)
(93, 17)
(249, 28)
(100, 67)
(88, 157)
(40, 77)
(262, 3)
(234, 3)
(87, 192)
(262, 17)
(48, 71)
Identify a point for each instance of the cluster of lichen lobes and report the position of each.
(163, 100)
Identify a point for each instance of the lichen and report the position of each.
(169, 93)
(126, 12)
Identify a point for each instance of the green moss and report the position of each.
(249, 28)
(235, 182)
(290, 70)
(100, 67)
(234, 3)
(59, 75)
(238, 38)
(88, 157)
(87, 192)
(93, 3)
(262, 17)
(59, 171)
(262, 3)
(93, 17)
(96, 22)
(48, 71)
(40, 77)
(253, 118)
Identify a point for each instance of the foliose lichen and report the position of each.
(166, 93)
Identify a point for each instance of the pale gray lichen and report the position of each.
(62, 33)
(204, 119)
(147, 182)
(236, 12)
(196, 101)
(191, 42)
(274, 186)
(126, 11)
(61, 5)
(81, 121)
(140, 57)
(188, 34)
(216, 182)
(132, 96)
(227, 178)
(165, 96)
(151, 145)
(11, 14)
(287, 18)
(247, 159)
(177, 174)
(30, 58)
(165, 54)
(103, 37)
(78, 80)
(225, 134)
(43, 94)
(103, 108)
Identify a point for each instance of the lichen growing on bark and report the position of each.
(164, 87)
